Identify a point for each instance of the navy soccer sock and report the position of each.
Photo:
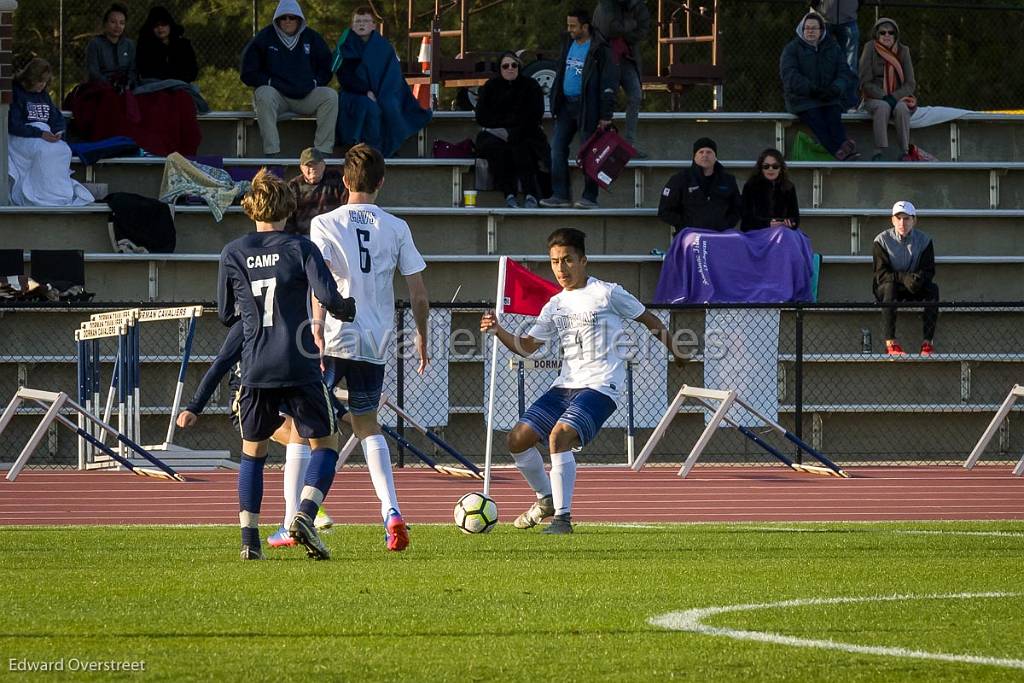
(319, 477)
(250, 498)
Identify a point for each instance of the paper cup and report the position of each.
(469, 198)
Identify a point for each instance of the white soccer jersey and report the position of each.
(363, 245)
(588, 322)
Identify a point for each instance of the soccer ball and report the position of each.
(475, 513)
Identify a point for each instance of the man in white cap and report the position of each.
(904, 261)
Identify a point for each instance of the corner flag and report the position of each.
(523, 292)
(519, 291)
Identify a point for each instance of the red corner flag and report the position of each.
(523, 292)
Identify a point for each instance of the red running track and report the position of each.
(656, 494)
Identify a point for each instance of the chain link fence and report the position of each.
(954, 48)
(819, 370)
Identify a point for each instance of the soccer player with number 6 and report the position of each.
(264, 279)
(363, 245)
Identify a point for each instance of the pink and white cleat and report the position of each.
(280, 539)
(396, 535)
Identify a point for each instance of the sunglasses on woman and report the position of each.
(886, 33)
(770, 167)
(510, 66)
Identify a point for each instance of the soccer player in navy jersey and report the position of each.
(265, 278)
(297, 451)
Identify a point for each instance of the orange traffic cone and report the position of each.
(422, 92)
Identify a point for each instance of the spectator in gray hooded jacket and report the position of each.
(904, 260)
(110, 56)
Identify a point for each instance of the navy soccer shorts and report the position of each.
(363, 380)
(585, 410)
(309, 405)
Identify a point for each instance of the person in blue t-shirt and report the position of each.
(289, 65)
(264, 280)
(582, 100)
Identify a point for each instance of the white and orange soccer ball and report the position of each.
(475, 513)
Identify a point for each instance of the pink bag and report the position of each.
(453, 150)
(603, 156)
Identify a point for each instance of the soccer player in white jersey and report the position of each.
(587, 317)
(363, 245)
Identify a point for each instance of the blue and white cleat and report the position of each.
(281, 539)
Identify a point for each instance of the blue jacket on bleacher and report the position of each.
(292, 72)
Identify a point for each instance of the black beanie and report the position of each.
(705, 142)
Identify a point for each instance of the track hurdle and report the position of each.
(1015, 394)
(54, 403)
(726, 400)
(471, 471)
(126, 383)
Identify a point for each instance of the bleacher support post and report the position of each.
(1016, 393)
(7, 8)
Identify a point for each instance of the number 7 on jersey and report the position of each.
(270, 285)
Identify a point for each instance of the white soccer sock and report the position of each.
(378, 461)
(296, 460)
(531, 465)
(563, 481)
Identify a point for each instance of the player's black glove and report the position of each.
(346, 311)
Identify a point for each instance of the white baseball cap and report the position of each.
(904, 207)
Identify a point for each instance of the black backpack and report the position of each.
(144, 221)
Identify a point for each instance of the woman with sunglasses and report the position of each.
(510, 108)
(769, 197)
(888, 84)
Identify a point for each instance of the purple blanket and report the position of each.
(763, 266)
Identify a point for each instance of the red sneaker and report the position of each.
(397, 533)
(927, 348)
(893, 348)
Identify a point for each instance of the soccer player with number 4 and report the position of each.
(587, 317)
(265, 278)
(362, 246)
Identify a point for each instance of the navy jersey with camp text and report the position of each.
(265, 279)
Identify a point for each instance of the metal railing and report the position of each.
(954, 50)
(819, 369)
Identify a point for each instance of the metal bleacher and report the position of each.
(971, 202)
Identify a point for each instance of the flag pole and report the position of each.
(499, 305)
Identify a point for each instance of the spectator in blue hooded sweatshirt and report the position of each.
(289, 65)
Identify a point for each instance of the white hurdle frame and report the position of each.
(56, 401)
(726, 398)
(1016, 393)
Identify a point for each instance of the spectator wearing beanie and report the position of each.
(703, 196)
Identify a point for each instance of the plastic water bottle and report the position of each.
(865, 340)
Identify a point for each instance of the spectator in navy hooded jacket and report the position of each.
(289, 65)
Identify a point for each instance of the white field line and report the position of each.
(910, 532)
(691, 621)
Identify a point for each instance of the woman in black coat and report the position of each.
(510, 109)
(163, 51)
(769, 197)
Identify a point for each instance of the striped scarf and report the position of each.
(893, 69)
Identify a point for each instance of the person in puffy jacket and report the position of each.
(814, 78)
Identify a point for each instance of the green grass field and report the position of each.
(514, 605)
